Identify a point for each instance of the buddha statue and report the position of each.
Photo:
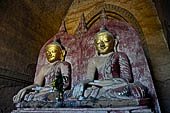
(56, 66)
(109, 73)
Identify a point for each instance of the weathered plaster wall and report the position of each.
(6, 103)
(163, 10)
(24, 27)
(146, 15)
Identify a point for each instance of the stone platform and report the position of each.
(85, 103)
(86, 106)
(136, 109)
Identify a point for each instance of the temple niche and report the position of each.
(124, 67)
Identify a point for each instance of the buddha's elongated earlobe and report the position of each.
(63, 54)
(115, 45)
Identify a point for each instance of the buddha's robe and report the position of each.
(44, 93)
(110, 77)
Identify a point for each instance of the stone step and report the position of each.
(135, 109)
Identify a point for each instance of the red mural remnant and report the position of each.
(80, 48)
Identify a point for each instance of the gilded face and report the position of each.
(53, 53)
(104, 43)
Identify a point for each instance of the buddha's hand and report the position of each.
(78, 90)
(17, 98)
(107, 82)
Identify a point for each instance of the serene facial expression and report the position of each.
(104, 43)
(53, 53)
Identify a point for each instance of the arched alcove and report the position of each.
(117, 13)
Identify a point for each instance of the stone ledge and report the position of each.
(130, 109)
(15, 76)
(85, 103)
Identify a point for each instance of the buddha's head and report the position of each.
(105, 42)
(54, 52)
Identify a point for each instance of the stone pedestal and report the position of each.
(136, 109)
(85, 106)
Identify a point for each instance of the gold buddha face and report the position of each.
(104, 43)
(54, 53)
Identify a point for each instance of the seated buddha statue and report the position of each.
(109, 73)
(55, 67)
